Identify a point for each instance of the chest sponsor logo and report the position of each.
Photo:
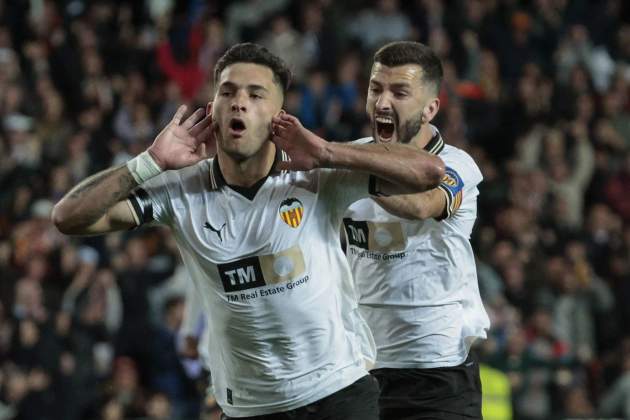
(253, 272)
(375, 236)
(291, 212)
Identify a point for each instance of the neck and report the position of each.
(245, 173)
(423, 137)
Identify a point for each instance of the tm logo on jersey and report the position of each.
(375, 236)
(252, 272)
(291, 211)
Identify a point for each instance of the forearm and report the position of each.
(92, 198)
(419, 206)
(412, 169)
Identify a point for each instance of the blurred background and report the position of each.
(536, 91)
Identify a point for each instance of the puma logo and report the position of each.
(217, 231)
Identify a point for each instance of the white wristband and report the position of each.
(143, 167)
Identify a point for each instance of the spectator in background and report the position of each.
(213, 46)
(169, 377)
(244, 18)
(617, 189)
(386, 22)
(284, 41)
(178, 56)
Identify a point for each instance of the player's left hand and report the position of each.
(306, 149)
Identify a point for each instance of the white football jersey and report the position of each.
(417, 279)
(283, 318)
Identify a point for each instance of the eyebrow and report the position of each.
(251, 87)
(401, 85)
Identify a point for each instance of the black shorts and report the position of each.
(358, 401)
(438, 393)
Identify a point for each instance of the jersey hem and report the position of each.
(418, 365)
(340, 379)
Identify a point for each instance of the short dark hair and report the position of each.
(253, 53)
(408, 52)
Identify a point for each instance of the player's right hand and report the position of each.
(181, 144)
(305, 148)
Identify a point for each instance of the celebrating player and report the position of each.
(257, 227)
(411, 257)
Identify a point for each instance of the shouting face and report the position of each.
(398, 102)
(247, 98)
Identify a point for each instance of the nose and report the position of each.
(383, 102)
(238, 102)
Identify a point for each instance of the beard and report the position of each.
(410, 128)
(406, 131)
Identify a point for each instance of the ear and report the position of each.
(430, 110)
(282, 112)
(209, 108)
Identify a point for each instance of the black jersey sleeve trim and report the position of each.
(142, 205)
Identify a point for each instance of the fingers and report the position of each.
(280, 129)
(290, 119)
(179, 114)
(193, 118)
(277, 121)
(201, 126)
(284, 124)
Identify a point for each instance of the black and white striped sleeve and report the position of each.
(142, 206)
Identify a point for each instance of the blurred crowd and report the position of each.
(538, 92)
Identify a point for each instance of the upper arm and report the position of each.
(146, 204)
(119, 217)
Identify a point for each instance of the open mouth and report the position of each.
(237, 126)
(385, 127)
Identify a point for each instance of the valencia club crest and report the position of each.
(291, 211)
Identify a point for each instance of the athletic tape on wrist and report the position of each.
(143, 167)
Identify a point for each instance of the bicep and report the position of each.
(119, 217)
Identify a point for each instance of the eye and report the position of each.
(375, 89)
(255, 96)
(401, 94)
(225, 93)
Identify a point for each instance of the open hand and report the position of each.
(305, 148)
(181, 144)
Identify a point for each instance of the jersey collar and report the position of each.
(217, 181)
(436, 144)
